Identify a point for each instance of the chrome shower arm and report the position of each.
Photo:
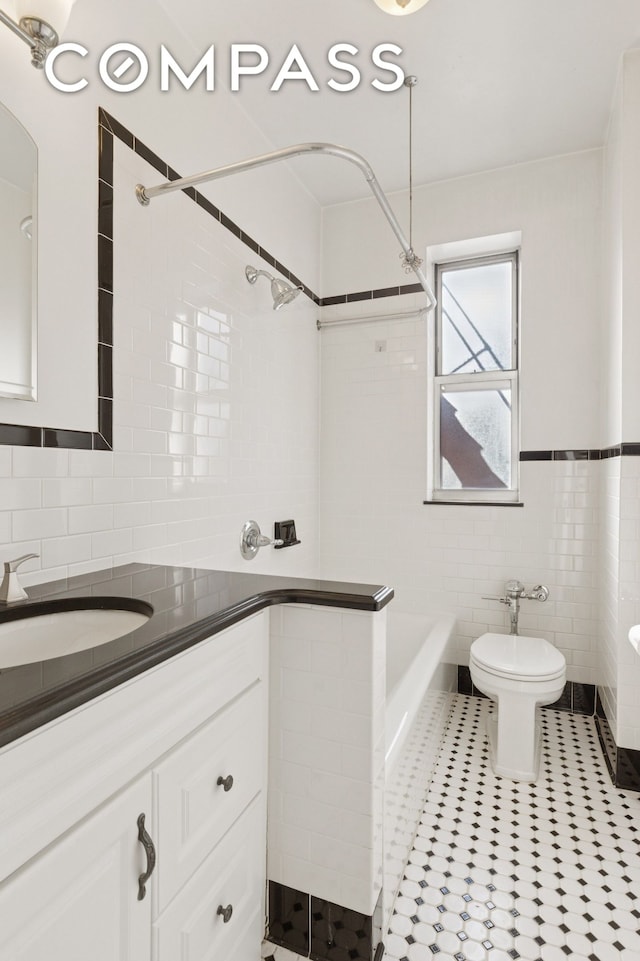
(146, 194)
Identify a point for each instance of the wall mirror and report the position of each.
(18, 267)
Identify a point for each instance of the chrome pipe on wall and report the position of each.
(146, 194)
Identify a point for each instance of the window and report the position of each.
(475, 430)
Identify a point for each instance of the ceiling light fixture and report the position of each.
(410, 260)
(400, 8)
(42, 31)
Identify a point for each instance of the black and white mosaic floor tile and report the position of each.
(502, 870)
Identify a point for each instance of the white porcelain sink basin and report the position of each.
(39, 637)
(634, 638)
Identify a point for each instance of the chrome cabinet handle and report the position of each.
(225, 782)
(150, 851)
(225, 912)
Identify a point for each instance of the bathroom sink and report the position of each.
(40, 632)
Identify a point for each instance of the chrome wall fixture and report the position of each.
(252, 539)
(282, 292)
(514, 593)
(410, 260)
(41, 32)
(146, 194)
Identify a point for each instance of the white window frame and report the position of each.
(493, 379)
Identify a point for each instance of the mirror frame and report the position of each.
(20, 435)
(30, 393)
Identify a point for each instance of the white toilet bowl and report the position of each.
(519, 673)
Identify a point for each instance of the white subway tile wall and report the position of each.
(326, 753)
(215, 412)
(437, 557)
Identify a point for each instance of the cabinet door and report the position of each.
(219, 914)
(78, 901)
(194, 808)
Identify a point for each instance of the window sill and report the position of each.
(477, 503)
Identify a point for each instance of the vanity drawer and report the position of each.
(193, 809)
(192, 928)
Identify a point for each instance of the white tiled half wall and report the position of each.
(326, 753)
(619, 665)
(215, 412)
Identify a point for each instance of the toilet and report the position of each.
(519, 673)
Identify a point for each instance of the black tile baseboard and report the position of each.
(321, 930)
(289, 919)
(338, 932)
(577, 698)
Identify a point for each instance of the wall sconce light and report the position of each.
(41, 32)
(400, 8)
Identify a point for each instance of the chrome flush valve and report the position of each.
(514, 593)
(251, 540)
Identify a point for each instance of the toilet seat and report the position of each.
(518, 658)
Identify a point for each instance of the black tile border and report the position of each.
(322, 930)
(619, 450)
(576, 698)
(338, 932)
(289, 918)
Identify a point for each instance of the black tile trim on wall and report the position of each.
(620, 450)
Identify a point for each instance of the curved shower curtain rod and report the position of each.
(146, 194)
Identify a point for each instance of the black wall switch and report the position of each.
(285, 531)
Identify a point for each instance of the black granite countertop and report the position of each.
(189, 605)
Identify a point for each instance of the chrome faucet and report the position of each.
(514, 593)
(11, 590)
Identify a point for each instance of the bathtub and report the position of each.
(421, 674)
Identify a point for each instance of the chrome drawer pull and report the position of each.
(225, 912)
(150, 851)
(225, 782)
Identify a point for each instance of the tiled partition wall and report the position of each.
(214, 412)
(326, 773)
(619, 683)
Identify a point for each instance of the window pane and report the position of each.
(475, 439)
(476, 305)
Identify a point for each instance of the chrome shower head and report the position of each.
(282, 292)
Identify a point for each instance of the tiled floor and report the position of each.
(502, 870)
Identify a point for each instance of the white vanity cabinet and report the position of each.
(79, 899)
(185, 744)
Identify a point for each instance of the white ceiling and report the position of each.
(500, 81)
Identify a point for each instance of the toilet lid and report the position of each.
(523, 658)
